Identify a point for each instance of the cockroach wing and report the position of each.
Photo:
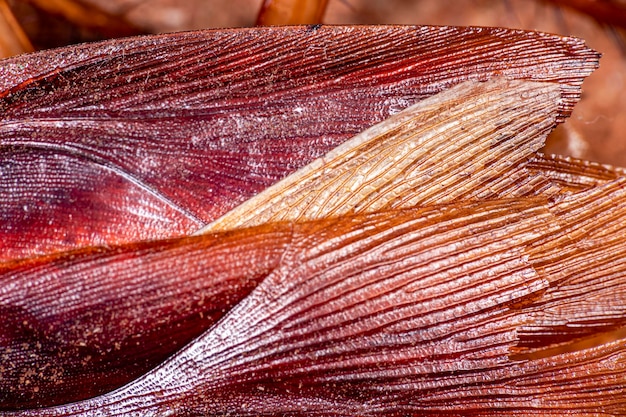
(470, 142)
(586, 260)
(80, 324)
(55, 199)
(569, 175)
(154, 136)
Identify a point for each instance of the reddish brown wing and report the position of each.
(586, 263)
(152, 137)
(81, 324)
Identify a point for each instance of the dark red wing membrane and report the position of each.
(51, 198)
(79, 324)
(153, 137)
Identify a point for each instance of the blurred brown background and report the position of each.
(594, 132)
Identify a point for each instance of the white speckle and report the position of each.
(298, 110)
(395, 105)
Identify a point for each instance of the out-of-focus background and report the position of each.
(596, 131)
